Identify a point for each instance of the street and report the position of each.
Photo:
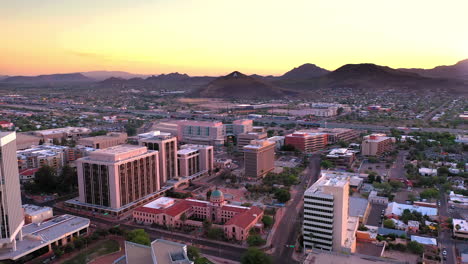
(445, 234)
(291, 223)
(397, 170)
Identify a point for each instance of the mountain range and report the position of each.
(457, 71)
(49, 79)
(302, 80)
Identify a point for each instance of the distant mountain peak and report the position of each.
(305, 71)
(239, 85)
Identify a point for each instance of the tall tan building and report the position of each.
(101, 142)
(327, 224)
(245, 138)
(117, 176)
(194, 159)
(376, 144)
(259, 158)
(167, 147)
(11, 211)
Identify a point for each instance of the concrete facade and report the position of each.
(193, 159)
(167, 147)
(259, 158)
(327, 224)
(116, 176)
(11, 213)
(376, 145)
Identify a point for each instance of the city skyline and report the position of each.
(216, 37)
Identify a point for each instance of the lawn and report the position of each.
(98, 249)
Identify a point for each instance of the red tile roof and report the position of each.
(174, 210)
(233, 209)
(28, 172)
(243, 220)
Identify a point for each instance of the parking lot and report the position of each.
(374, 215)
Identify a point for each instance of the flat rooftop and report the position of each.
(117, 153)
(160, 203)
(186, 151)
(36, 236)
(256, 144)
(31, 209)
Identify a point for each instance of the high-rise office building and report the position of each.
(11, 211)
(327, 224)
(167, 147)
(259, 158)
(194, 159)
(117, 176)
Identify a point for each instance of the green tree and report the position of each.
(282, 195)
(215, 233)
(267, 221)
(415, 247)
(443, 171)
(255, 256)
(193, 253)
(68, 180)
(326, 164)
(429, 193)
(139, 236)
(46, 179)
(388, 223)
(255, 241)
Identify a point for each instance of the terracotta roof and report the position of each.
(233, 209)
(28, 172)
(243, 220)
(174, 210)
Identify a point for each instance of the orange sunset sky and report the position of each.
(213, 37)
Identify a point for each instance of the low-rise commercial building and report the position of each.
(259, 158)
(62, 133)
(341, 157)
(101, 142)
(39, 238)
(428, 172)
(159, 252)
(36, 214)
(460, 228)
(236, 221)
(395, 210)
(377, 144)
